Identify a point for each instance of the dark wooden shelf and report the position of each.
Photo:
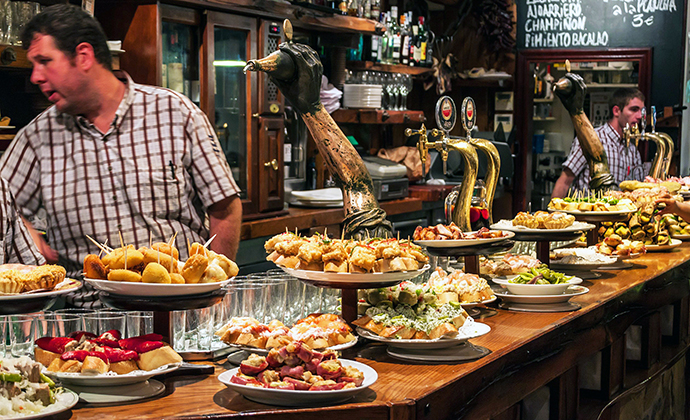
(377, 116)
(491, 83)
(21, 62)
(388, 68)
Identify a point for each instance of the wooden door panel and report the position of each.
(271, 138)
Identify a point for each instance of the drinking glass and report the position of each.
(80, 312)
(101, 322)
(275, 297)
(57, 325)
(4, 331)
(178, 319)
(22, 334)
(250, 300)
(139, 323)
(405, 88)
(295, 299)
(198, 331)
(389, 85)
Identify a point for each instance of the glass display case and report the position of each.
(180, 59)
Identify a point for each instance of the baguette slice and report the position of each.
(45, 357)
(94, 365)
(445, 330)
(159, 357)
(124, 367)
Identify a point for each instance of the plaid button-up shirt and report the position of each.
(17, 246)
(154, 172)
(622, 160)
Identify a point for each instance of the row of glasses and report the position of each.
(20, 331)
(14, 15)
(396, 86)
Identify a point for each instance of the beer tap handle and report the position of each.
(626, 134)
(643, 119)
(422, 145)
(444, 152)
(653, 119)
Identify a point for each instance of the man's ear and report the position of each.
(84, 57)
(616, 110)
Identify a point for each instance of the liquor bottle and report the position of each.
(383, 41)
(404, 40)
(352, 6)
(548, 83)
(395, 37)
(420, 47)
(413, 43)
(374, 50)
(538, 83)
(375, 9)
(429, 61)
(367, 9)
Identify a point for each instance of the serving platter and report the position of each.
(468, 305)
(569, 293)
(470, 330)
(264, 352)
(353, 280)
(284, 397)
(574, 228)
(460, 243)
(673, 243)
(555, 265)
(681, 237)
(37, 301)
(109, 379)
(456, 353)
(63, 402)
(118, 394)
(536, 289)
(155, 289)
(593, 213)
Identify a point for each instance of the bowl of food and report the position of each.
(538, 281)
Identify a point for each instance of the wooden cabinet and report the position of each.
(271, 169)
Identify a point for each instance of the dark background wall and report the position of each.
(601, 24)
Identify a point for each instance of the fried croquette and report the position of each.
(155, 273)
(94, 268)
(166, 249)
(124, 275)
(194, 268)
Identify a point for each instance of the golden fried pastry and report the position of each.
(541, 217)
(213, 274)
(116, 259)
(166, 249)
(155, 273)
(525, 219)
(176, 278)
(94, 268)
(10, 282)
(44, 277)
(228, 265)
(558, 220)
(194, 268)
(150, 256)
(124, 275)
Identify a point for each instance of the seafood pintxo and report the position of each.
(320, 253)
(509, 265)
(543, 220)
(318, 331)
(86, 353)
(452, 232)
(297, 367)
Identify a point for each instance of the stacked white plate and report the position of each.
(362, 96)
(326, 197)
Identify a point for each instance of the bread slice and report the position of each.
(335, 267)
(124, 367)
(73, 366)
(159, 357)
(94, 365)
(56, 365)
(446, 329)
(446, 297)
(45, 357)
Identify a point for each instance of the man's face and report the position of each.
(630, 114)
(55, 74)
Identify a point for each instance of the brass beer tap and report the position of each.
(664, 144)
(467, 147)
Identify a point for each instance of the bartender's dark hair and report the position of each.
(70, 26)
(622, 96)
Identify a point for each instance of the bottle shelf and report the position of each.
(610, 85)
(545, 119)
(542, 100)
(387, 68)
(377, 116)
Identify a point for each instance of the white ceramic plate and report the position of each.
(681, 237)
(460, 352)
(508, 225)
(265, 351)
(555, 265)
(71, 286)
(594, 213)
(110, 380)
(542, 299)
(468, 305)
(153, 289)
(471, 329)
(537, 289)
(325, 194)
(459, 243)
(66, 400)
(317, 204)
(118, 394)
(284, 397)
(354, 277)
(671, 244)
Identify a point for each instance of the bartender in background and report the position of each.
(625, 105)
(112, 156)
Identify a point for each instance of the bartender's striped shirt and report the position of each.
(624, 162)
(154, 172)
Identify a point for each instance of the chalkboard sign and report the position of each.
(603, 24)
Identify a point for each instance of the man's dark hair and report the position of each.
(621, 97)
(70, 26)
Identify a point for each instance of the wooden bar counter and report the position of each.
(528, 351)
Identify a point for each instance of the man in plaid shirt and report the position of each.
(625, 106)
(114, 157)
